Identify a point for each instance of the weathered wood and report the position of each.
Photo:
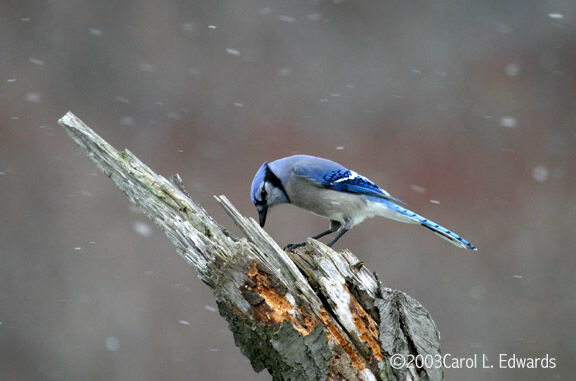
(309, 314)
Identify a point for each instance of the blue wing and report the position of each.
(345, 180)
(331, 175)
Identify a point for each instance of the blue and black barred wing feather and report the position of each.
(345, 180)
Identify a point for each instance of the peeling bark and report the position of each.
(308, 314)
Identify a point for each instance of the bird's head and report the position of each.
(267, 190)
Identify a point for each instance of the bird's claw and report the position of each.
(292, 246)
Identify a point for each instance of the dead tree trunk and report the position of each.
(309, 314)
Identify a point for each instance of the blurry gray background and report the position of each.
(463, 109)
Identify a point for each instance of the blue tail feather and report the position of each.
(441, 231)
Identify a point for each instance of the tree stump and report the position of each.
(308, 314)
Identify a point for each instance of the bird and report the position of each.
(328, 189)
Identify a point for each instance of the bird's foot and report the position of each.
(292, 246)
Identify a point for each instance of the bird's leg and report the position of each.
(334, 225)
(342, 232)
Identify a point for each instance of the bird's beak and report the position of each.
(262, 214)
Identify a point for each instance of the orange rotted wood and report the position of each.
(366, 326)
(274, 307)
(335, 334)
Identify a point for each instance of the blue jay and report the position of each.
(330, 190)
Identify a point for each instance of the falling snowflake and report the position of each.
(112, 343)
(540, 173)
(33, 97)
(418, 188)
(142, 228)
(508, 121)
(95, 32)
(512, 69)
